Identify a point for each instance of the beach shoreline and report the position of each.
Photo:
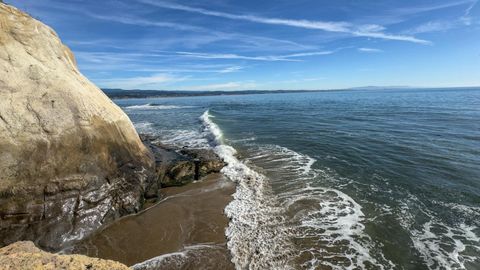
(185, 229)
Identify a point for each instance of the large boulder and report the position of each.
(70, 159)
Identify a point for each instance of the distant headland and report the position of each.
(137, 93)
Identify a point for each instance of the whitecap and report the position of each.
(184, 137)
(144, 127)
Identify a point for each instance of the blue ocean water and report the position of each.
(357, 179)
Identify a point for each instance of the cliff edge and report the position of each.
(70, 159)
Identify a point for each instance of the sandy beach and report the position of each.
(185, 230)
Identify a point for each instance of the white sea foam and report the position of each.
(257, 236)
(333, 222)
(175, 137)
(325, 224)
(144, 127)
(445, 247)
(184, 137)
(151, 106)
(441, 245)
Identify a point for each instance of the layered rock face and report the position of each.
(70, 159)
(24, 255)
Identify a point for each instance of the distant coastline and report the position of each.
(127, 94)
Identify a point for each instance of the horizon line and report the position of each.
(325, 89)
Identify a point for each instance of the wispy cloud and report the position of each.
(224, 86)
(272, 58)
(231, 69)
(144, 22)
(155, 81)
(445, 25)
(146, 57)
(466, 18)
(433, 26)
(307, 54)
(370, 50)
(209, 35)
(319, 25)
(372, 31)
(438, 5)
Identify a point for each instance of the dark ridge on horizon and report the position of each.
(136, 93)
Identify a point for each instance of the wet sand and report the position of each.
(186, 230)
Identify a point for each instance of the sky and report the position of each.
(268, 44)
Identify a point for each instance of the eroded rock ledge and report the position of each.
(24, 255)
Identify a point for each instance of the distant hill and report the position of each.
(120, 93)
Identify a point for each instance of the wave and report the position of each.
(257, 235)
(184, 137)
(176, 137)
(445, 247)
(442, 245)
(294, 225)
(144, 127)
(327, 224)
(153, 106)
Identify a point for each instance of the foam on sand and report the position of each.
(204, 255)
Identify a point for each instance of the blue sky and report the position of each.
(269, 44)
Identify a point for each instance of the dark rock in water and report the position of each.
(179, 166)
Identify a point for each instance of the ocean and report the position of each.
(354, 179)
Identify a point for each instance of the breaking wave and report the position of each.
(291, 226)
(257, 235)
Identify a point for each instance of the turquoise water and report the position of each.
(341, 179)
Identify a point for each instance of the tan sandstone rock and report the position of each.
(24, 255)
(70, 159)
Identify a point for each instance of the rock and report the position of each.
(177, 166)
(24, 255)
(70, 159)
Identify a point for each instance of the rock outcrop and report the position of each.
(179, 166)
(70, 159)
(24, 255)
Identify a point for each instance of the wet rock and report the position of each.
(180, 166)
